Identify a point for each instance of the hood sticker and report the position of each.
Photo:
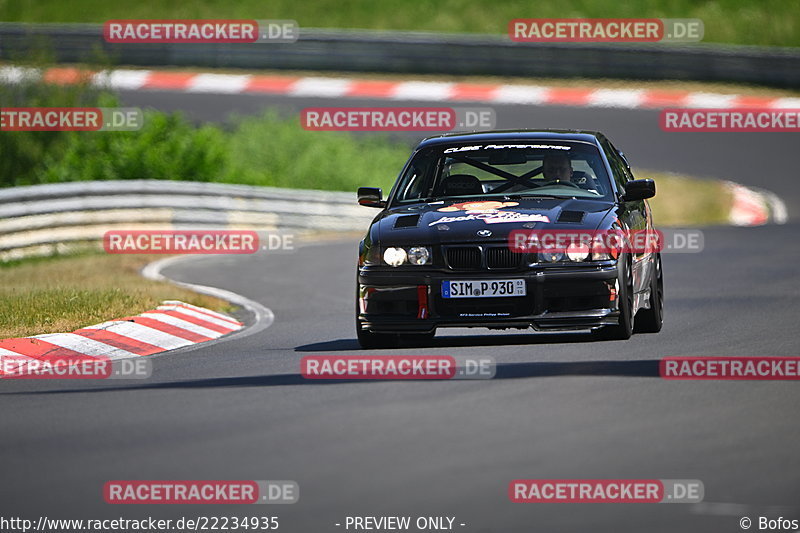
(489, 212)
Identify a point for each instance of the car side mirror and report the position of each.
(639, 190)
(370, 197)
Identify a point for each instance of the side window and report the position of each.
(623, 161)
(415, 184)
(416, 180)
(618, 166)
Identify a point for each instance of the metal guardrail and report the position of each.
(43, 219)
(431, 53)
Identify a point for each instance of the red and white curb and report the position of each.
(308, 86)
(755, 207)
(171, 325)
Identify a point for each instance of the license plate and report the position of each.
(497, 288)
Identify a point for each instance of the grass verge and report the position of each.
(62, 294)
(687, 201)
(766, 22)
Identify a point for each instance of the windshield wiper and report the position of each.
(431, 199)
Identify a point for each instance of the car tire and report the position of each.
(624, 329)
(651, 320)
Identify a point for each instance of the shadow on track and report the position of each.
(460, 341)
(645, 368)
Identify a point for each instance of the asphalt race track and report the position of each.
(562, 406)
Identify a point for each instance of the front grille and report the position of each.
(502, 257)
(464, 257)
(472, 258)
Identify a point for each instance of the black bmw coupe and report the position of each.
(510, 229)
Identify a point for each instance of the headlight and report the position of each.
(418, 255)
(394, 256)
(578, 252)
(551, 256)
(600, 256)
(606, 248)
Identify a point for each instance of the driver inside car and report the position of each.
(557, 166)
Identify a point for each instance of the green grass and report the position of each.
(761, 22)
(62, 294)
(258, 150)
(268, 150)
(264, 150)
(686, 201)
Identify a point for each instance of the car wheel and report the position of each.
(624, 329)
(651, 320)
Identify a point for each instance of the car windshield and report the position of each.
(543, 168)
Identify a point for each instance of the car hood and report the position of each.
(458, 222)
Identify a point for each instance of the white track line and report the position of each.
(263, 316)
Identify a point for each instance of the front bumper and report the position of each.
(558, 297)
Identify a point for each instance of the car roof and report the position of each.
(592, 137)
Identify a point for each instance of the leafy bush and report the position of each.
(261, 150)
(167, 147)
(23, 152)
(269, 150)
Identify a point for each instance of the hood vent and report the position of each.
(406, 221)
(571, 216)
